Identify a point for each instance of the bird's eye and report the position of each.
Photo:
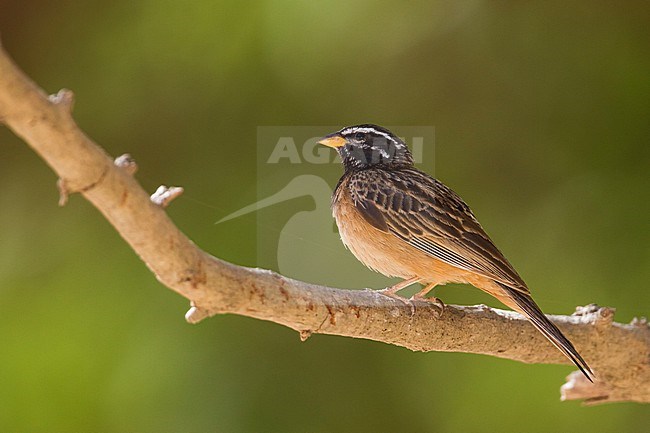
(360, 136)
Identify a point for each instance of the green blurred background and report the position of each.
(541, 113)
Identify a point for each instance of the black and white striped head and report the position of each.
(365, 146)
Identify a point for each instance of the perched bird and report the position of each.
(403, 223)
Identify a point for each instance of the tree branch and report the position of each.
(618, 353)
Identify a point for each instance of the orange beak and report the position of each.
(333, 140)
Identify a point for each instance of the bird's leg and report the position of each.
(421, 296)
(392, 290)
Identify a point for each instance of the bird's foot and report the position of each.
(433, 301)
(392, 293)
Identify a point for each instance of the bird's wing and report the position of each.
(431, 217)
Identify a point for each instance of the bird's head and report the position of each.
(365, 146)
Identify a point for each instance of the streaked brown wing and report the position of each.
(431, 217)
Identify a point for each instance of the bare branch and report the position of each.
(619, 354)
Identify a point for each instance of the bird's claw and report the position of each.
(390, 292)
(435, 302)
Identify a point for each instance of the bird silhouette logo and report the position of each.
(308, 245)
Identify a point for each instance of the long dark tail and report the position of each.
(529, 308)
